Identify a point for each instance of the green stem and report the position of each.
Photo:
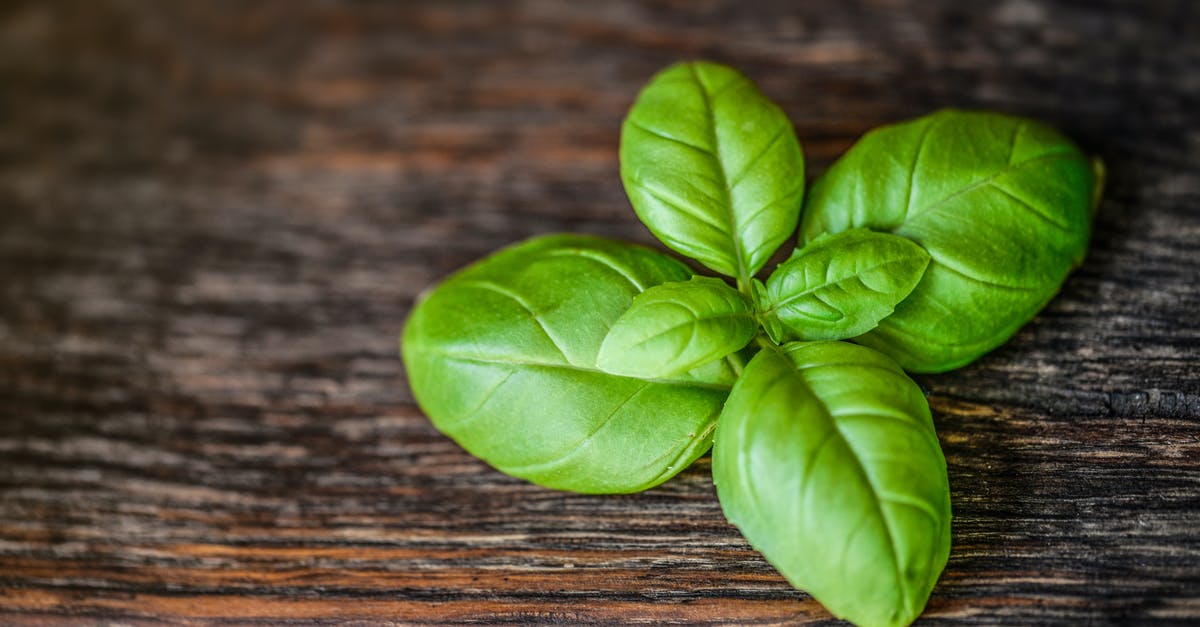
(735, 361)
(763, 340)
(743, 286)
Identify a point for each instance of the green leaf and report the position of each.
(712, 167)
(826, 459)
(501, 357)
(842, 285)
(1000, 203)
(675, 327)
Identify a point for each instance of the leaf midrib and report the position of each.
(529, 363)
(876, 493)
(693, 322)
(734, 229)
(826, 284)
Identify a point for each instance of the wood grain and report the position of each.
(214, 218)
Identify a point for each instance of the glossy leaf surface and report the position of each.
(712, 167)
(675, 327)
(826, 459)
(501, 357)
(842, 285)
(1002, 205)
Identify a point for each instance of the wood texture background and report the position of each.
(215, 216)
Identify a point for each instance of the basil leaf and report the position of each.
(501, 356)
(840, 286)
(1000, 203)
(826, 459)
(675, 327)
(712, 167)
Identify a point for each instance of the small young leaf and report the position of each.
(767, 319)
(675, 327)
(1002, 205)
(712, 167)
(501, 357)
(826, 459)
(842, 285)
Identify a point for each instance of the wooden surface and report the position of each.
(214, 218)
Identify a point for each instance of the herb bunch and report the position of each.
(589, 365)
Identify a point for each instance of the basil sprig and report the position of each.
(589, 365)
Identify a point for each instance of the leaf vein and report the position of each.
(534, 315)
(563, 458)
(734, 227)
(912, 171)
(700, 437)
(866, 477)
(682, 207)
(916, 503)
(670, 138)
(604, 260)
(948, 264)
(1028, 205)
(737, 180)
(459, 421)
(838, 280)
(528, 363)
(937, 205)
